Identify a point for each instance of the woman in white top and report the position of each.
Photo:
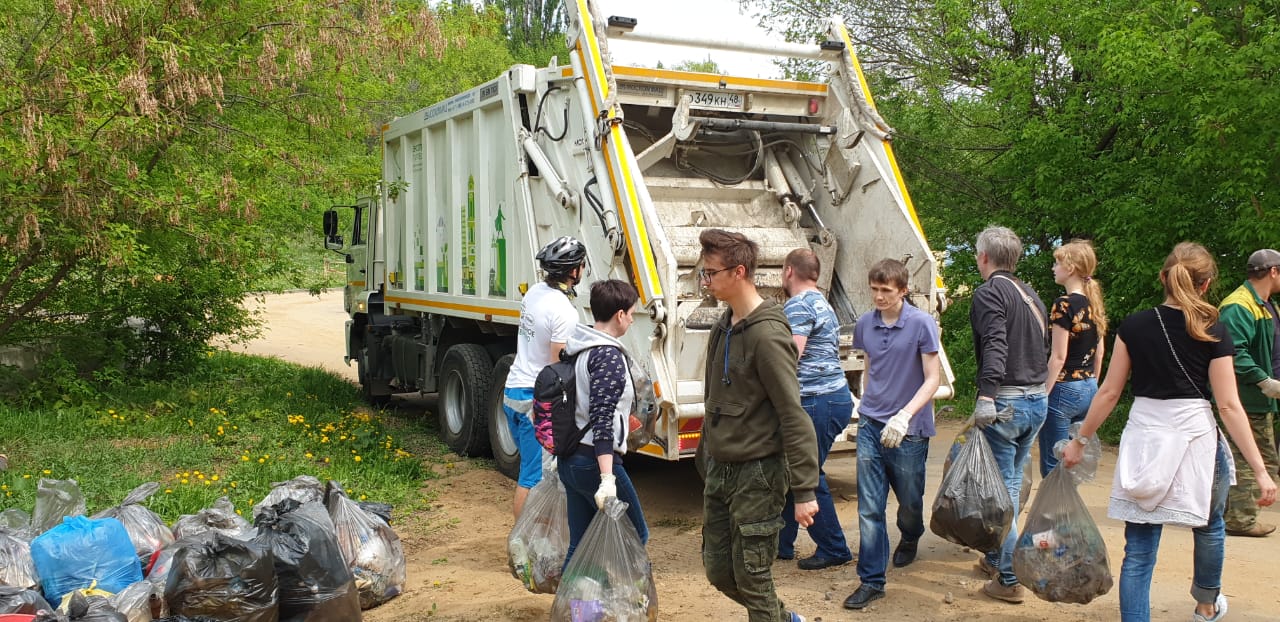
(1174, 467)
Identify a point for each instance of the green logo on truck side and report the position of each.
(469, 238)
(498, 273)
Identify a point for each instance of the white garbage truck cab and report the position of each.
(634, 162)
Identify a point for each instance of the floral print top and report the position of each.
(1071, 312)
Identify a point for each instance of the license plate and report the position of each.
(717, 100)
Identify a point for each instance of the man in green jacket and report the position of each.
(1250, 318)
(757, 440)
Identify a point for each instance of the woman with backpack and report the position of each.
(1173, 355)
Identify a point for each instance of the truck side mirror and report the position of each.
(332, 239)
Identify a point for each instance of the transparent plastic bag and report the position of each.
(21, 600)
(370, 547)
(539, 541)
(642, 423)
(1060, 555)
(304, 488)
(17, 569)
(84, 552)
(55, 499)
(222, 577)
(315, 584)
(220, 517)
(610, 577)
(147, 530)
(135, 601)
(17, 523)
(972, 507)
(1088, 467)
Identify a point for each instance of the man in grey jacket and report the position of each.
(1009, 339)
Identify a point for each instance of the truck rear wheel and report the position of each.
(506, 453)
(465, 379)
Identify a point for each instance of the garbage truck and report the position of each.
(635, 162)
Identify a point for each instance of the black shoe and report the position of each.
(905, 553)
(818, 563)
(863, 596)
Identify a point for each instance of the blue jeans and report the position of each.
(522, 430)
(1141, 541)
(879, 469)
(1068, 403)
(580, 475)
(1011, 445)
(831, 413)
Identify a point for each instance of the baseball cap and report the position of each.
(1264, 259)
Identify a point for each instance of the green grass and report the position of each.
(230, 427)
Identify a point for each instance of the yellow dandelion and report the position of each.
(168, 491)
(233, 484)
(363, 497)
(326, 461)
(184, 481)
(244, 458)
(214, 478)
(111, 411)
(357, 458)
(206, 482)
(261, 460)
(240, 512)
(309, 455)
(47, 472)
(26, 476)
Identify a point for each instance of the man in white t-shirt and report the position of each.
(547, 319)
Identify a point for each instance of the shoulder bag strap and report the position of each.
(1030, 305)
(1175, 353)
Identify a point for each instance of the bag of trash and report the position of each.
(304, 488)
(539, 541)
(82, 552)
(609, 577)
(55, 499)
(147, 530)
(135, 601)
(78, 607)
(220, 517)
(21, 600)
(17, 522)
(973, 507)
(17, 569)
(1060, 555)
(370, 547)
(223, 578)
(315, 584)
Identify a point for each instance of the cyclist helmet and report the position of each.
(562, 256)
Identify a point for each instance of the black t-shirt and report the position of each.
(1071, 312)
(1155, 373)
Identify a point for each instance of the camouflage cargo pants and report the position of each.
(1242, 500)
(742, 506)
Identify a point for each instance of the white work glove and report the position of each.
(984, 413)
(608, 489)
(1270, 388)
(895, 429)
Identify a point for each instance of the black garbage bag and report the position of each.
(221, 516)
(185, 619)
(223, 578)
(302, 488)
(609, 577)
(135, 601)
(1061, 556)
(315, 584)
(369, 546)
(973, 507)
(20, 600)
(147, 530)
(81, 608)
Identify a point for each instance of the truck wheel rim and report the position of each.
(506, 442)
(453, 401)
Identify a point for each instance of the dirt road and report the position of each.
(457, 551)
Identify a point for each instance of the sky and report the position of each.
(691, 17)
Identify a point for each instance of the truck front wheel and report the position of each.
(465, 379)
(506, 453)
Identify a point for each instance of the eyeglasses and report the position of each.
(705, 274)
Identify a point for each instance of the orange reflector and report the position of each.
(657, 389)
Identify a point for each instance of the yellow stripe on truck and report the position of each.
(717, 79)
(454, 306)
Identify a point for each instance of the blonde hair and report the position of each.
(1078, 256)
(1185, 273)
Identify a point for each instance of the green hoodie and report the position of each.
(1253, 333)
(753, 409)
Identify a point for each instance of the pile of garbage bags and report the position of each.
(311, 555)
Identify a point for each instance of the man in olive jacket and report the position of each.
(1250, 319)
(757, 441)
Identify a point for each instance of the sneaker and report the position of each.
(1007, 593)
(905, 553)
(1219, 605)
(1258, 530)
(795, 617)
(863, 596)
(818, 563)
(985, 568)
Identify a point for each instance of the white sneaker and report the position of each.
(1219, 605)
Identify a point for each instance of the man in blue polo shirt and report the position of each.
(894, 425)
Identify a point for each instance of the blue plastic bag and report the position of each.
(82, 551)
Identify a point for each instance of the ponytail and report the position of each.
(1097, 310)
(1186, 271)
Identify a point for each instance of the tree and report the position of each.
(153, 152)
(702, 66)
(534, 28)
(1135, 124)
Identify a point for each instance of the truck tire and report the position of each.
(376, 392)
(465, 379)
(506, 453)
